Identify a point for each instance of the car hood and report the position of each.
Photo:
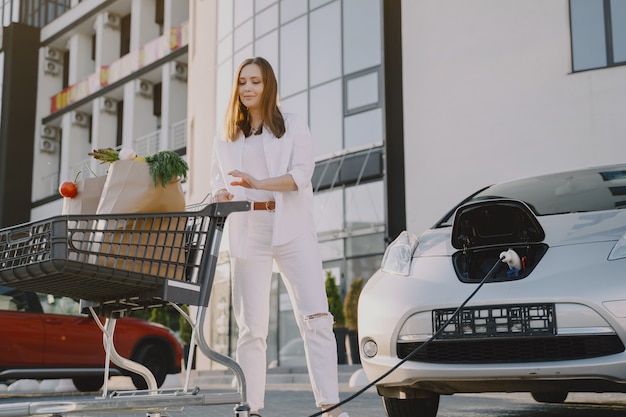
(560, 230)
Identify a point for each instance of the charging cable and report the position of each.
(510, 257)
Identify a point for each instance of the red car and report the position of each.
(45, 337)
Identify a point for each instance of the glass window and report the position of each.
(223, 88)
(363, 267)
(326, 118)
(329, 210)
(588, 35)
(364, 129)
(266, 21)
(325, 49)
(365, 205)
(225, 18)
(361, 34)
(317, 3)
(298, 104)
(243, 35)
(245, 53)
(369, 244)
(362, 92)
(291, 9)
(294, 57)
(331, 249)
(262, 4)
(618, 28)
(267, 47)
(224, 48)
(586, 190)
(243, 11)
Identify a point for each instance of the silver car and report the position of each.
(520, 288)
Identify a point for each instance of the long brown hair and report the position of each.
(237, 118)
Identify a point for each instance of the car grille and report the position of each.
(513, 349)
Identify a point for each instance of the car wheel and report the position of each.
(88, 383)
(549, 397)
(155, 359)
(412, 407)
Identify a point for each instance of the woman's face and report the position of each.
(251, 86)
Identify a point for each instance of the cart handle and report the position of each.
(21, 235)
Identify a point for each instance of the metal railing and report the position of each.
(178, 135)
(147, 144)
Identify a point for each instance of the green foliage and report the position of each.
(166, 166)
(184, 326)
(334, 300)
(351, 304)
(160, 315)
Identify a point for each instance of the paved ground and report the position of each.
(288, 394)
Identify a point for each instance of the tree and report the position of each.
(184, 327)
(351, 304)
(335, 306)
(160, 315)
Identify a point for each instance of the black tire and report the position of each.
(412, 407)
(88, 383)
(155, 358)
(550, 397)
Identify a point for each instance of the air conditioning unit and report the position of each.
(108, 105)
(178, 71)
(52, 54)
(112, 20)
(80, 119)
(50, 132)
(51, 67)
(48, 145)
(143, 88)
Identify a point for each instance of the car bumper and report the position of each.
(580, 291)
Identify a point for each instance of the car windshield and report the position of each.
(585, 190)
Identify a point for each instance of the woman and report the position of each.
(266, 157)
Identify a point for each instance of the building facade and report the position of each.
(412, 105)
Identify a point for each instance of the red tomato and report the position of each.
(68, 189)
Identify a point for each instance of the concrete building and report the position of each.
(413, 104)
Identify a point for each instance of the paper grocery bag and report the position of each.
(87, 199)
(129, 188)
(153, 245)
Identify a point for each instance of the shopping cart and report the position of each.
(117, 263)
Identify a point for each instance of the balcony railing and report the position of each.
(147, 144)
(178, 135)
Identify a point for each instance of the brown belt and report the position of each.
(264, 205)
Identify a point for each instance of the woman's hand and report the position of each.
(222, 195)
(245, 180)
(283, 183)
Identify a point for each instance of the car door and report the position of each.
(21, 330)
(71, 340)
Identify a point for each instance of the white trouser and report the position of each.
(300, 265)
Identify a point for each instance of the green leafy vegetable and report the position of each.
(166, 166)
(105, 155)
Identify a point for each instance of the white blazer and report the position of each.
(292, 154)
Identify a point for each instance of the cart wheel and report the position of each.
(88, 383)
(155, 359)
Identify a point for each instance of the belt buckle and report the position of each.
(270, 205)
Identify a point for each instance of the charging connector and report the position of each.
(512, 259)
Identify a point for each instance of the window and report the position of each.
(598, 33)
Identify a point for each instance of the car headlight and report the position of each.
(619, 250)
(398, 255)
